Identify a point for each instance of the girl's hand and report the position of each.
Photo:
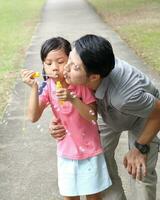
(64, 95)
(27, 77)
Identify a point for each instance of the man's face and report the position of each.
(74, 70)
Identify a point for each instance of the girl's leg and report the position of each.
(72, 198)
(96, 196)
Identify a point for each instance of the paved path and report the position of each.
(27, 157)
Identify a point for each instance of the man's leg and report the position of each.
(146, 189)
(109, 140)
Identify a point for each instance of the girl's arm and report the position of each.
(88, 111)
(35, 108)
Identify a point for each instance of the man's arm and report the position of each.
(135, 161)
(152, 125)
(56, 129)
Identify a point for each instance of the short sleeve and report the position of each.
(140, 104)
(87, 95)
(43, 93)
(84, 93)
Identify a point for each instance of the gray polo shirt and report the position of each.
(125, 96)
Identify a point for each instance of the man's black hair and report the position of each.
(96, 54)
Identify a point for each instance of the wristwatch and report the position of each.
(143, 148)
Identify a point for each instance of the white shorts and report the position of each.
(82, 177)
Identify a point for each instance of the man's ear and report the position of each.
(94, 77)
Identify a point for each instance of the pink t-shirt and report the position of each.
(82, 139)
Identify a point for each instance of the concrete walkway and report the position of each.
(27, 151)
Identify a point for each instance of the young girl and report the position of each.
(81, 166)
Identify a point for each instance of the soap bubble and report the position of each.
(73, 94)
(94, 122)
(81, 149)
(38, 126)
(91, 112)
(41, 130)
(58, 109)
(68, 133)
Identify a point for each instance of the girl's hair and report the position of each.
(55, 43)
(96, 54)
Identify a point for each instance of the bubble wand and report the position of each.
(58, 83)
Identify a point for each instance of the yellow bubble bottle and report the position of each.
(58, 86)
(36, 75)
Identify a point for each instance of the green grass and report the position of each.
(17, 21)
(137, 22)
(145, 42)
(115, 6)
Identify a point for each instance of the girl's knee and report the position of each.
(72, 198)
(96, 196)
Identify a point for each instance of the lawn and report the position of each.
(137, 22)
(17, 21)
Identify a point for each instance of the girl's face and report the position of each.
(74, 71)
(54, 64)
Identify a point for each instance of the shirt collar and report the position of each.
(102, 88)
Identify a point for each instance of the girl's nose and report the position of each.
(54, 66)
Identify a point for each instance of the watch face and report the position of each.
(143, 148)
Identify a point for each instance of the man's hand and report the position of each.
(135, 163)
(56, 129)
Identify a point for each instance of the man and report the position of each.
(127, 100)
